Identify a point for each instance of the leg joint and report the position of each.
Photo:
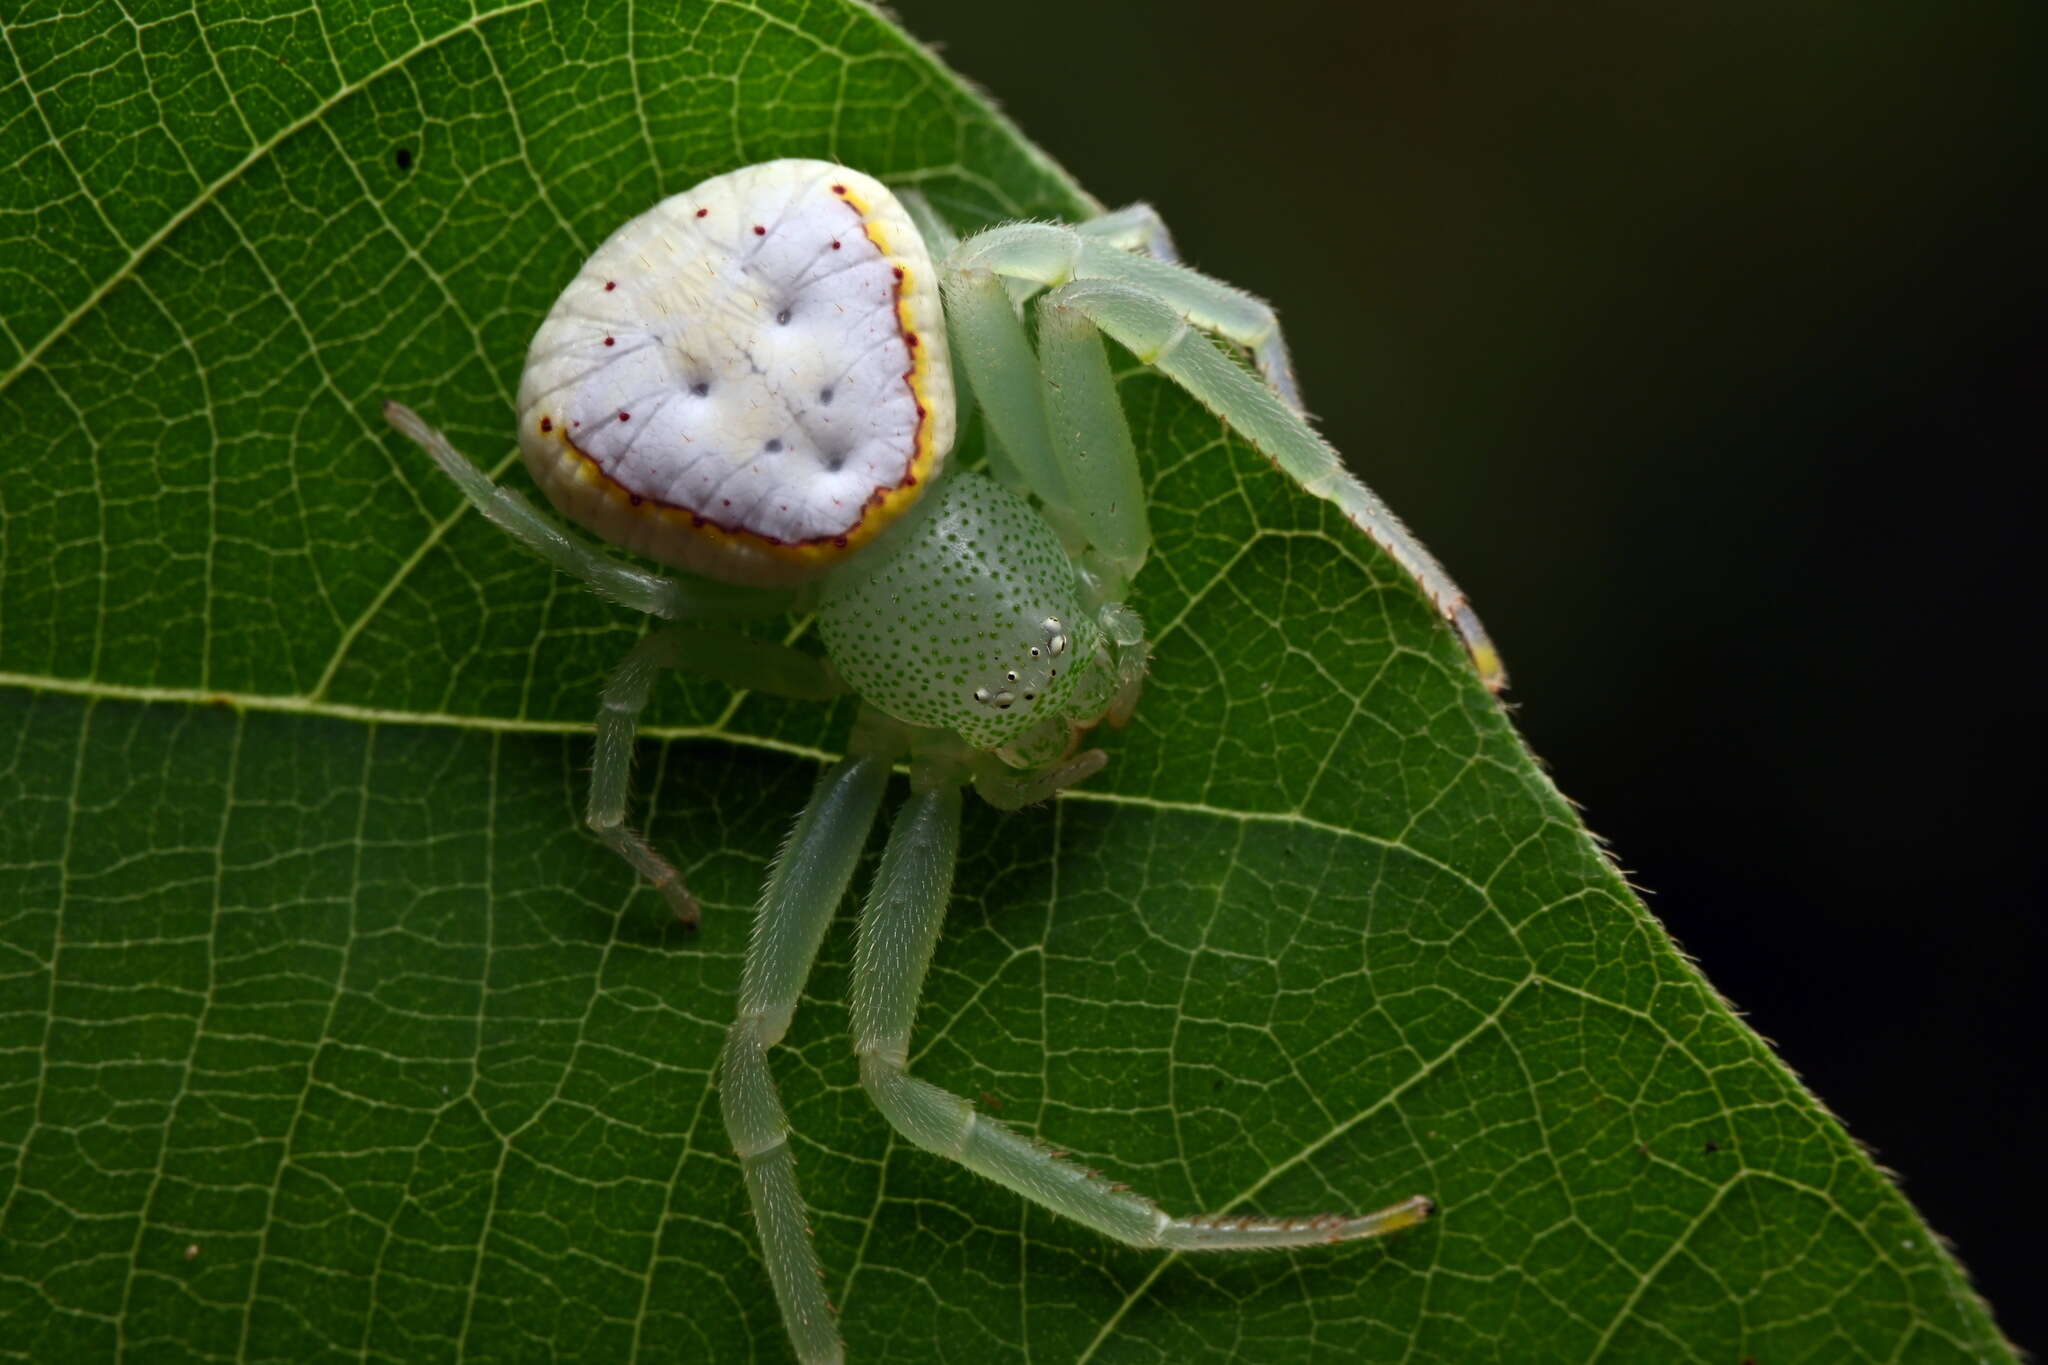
(936, 1120)
(762, 1028)
(1172, 342)
(750, 1152)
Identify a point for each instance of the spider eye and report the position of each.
(940, 631)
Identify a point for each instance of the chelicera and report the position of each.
(754, 382)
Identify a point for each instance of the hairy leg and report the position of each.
(605, 575)
(1134, 227)
(1090, 440)
(898, 931)
(744, 662)
(1153, 331)
(1049, 255)
(993, 355)
(804, 888)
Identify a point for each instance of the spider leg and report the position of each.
(992, 353)
(1007, 789)
(744, 662)
(898, 929)
(737, 659)
(605, 575)
(804, 888)
(1057, 424)
(1156, 333)
(1134, 227)
(1090, 440)
(1050, 255)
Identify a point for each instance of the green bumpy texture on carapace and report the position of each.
(969, 619)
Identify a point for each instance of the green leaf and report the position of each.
(324, 1028)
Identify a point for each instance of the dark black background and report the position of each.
(1702, 342)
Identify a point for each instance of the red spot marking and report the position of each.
(835, 246)
(910, 339)
(624, 415)
(920, 409)
(839, 541)
(760, 231)
(696, 521)
(910, 480)
(839, 189)
(575, 424)
(546, 426)
(637, 499)
(899, 272)
(611, 341)
(725, 502)
(702, 212)
(610, 285)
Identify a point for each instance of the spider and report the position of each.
(752, 382)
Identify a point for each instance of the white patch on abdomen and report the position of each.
(757, 380)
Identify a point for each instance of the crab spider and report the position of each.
(752, 381)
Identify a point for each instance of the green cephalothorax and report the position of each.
(968, 619)
(754, 381)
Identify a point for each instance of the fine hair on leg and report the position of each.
(618, 720)
(898, 930)
(1049, 255)
(805, 886)
(757, 665)
(1134, 227)
(1158, 336)
(607, 576)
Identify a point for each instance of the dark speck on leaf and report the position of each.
(404, 158)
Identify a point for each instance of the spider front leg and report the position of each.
(1155, 326)
(1059, 428)
(1057, 417)
(804, 888)
(1133, 227)
(1091, 441)
(1156, 334)
(1047, 255)
(898, 930)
